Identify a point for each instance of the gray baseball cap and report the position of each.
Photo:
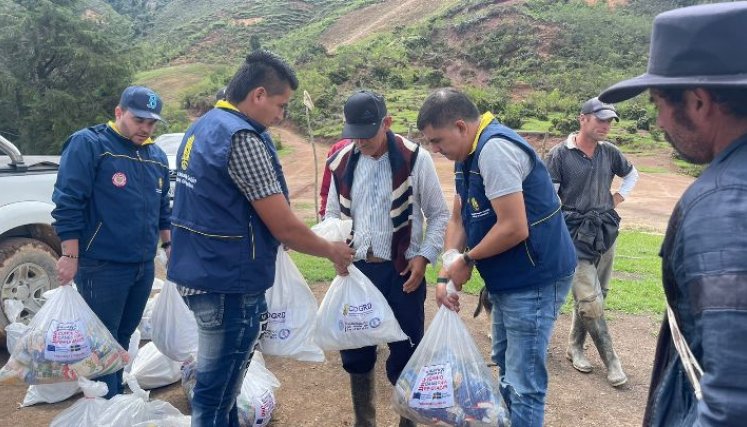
(601, 110)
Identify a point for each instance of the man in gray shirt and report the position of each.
(582, 169)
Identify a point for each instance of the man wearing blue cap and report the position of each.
(111, 208)
(697, 78)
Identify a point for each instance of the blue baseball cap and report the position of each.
(141, 102)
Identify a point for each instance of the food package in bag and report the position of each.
(189, 378)
(174, 325)
(291, 309)
(355, 314)
(153, 369)
(446, 381)
(126, 410)
(256, 402)
(65, 341)
(87, 410)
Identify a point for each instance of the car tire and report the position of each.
(28, 268)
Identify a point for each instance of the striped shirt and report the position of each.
(250, 168)
(372, 201)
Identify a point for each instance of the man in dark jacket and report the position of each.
(111, 206)
(697, 78)
(582, 168)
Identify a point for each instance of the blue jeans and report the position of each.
(522, 326)
(229, 326)
(117, 294)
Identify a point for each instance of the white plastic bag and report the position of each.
(14, 331)
(50, 393)
(126, 410)
(180, 421)
(65, 341)
(132, 349)
(291, 309)
(174, 326)
(87, 410)
(355, 314)
(153, 369)
(333, 229)
(446, 380)
(189, 378)
(256, 402)
(146, 326)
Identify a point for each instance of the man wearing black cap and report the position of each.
(389, 187)
(111, 207)
(697, 77)
(582, 168)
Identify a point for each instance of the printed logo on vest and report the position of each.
(119, 179)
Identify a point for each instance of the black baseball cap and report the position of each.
(601, 110)
(141, 102)
(364, 111)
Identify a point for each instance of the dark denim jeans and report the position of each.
(522, 326)
(117, 294)
(229, 326)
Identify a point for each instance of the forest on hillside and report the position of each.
(63, 63)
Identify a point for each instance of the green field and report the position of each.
(635, 288)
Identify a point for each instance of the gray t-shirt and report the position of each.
(503, 166)
(584, 182)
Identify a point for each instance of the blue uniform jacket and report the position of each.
(111, 195)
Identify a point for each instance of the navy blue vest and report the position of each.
(219, 243)
(548, 253)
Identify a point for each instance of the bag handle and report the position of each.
(689, 362)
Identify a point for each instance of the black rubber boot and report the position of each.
(363, 391)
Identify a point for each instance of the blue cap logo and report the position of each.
(152, 101)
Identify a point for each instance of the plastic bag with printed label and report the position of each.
(65, 341)
(174, 325)
(333, 229)
(153, 369)
(291, 309)
(126, 410)
(355, 314)
(87, 410)
(256, 402)
(446, 380)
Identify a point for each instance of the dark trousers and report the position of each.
(408, 310)
(117, 294)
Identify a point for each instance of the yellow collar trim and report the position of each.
(226, 105)
(484, 122)
(112, 125)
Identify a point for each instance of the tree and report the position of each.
(60, 71)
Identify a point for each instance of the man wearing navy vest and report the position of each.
(389, 187)
(230, 214)
(507, 221)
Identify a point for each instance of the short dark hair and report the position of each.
(261, 68)
(446, 106)
(733, 99)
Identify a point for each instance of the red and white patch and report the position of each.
(119, 179)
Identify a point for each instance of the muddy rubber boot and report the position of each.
(575, 352)
(405, 422)
(363, 391)
(598, 330)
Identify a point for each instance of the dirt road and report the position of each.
(318, 394)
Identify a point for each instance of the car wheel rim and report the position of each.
(26, 283)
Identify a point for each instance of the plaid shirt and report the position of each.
(250, 168)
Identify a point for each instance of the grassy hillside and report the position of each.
(531, 62)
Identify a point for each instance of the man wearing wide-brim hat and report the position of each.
(697, 77)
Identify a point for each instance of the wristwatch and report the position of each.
(468, 259)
